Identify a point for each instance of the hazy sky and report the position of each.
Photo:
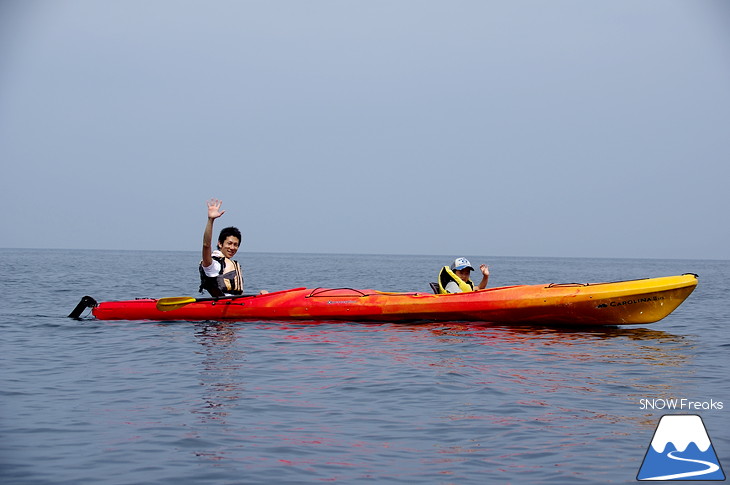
(505, 128)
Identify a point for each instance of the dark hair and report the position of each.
(229, 231)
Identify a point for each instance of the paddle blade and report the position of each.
(173, 303)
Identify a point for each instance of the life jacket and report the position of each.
(229, 280)
(446, 275)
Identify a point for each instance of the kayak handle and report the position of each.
(323, 293)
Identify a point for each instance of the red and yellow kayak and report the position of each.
(619, 303)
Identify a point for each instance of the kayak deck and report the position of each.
(618, 303)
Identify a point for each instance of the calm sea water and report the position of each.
(143, 402)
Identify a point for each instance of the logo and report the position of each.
(680, 450)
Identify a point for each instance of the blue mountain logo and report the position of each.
(680, 450)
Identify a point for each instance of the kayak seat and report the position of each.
(434, 287)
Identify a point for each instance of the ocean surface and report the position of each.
(91, 402)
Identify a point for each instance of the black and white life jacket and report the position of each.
(229, 280)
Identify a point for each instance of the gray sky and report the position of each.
(511, 128)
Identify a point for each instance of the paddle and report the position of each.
(175, 302)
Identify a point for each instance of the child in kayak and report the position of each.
(456, 279)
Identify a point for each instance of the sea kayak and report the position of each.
(632, 302)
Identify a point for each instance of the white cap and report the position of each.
(461, 263)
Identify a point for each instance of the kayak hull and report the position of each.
(619, 303)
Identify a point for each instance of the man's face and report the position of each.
(229, 247)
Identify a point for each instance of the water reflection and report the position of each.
(561, 383)
(220, 379)
(651, 360)
(348, 395)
